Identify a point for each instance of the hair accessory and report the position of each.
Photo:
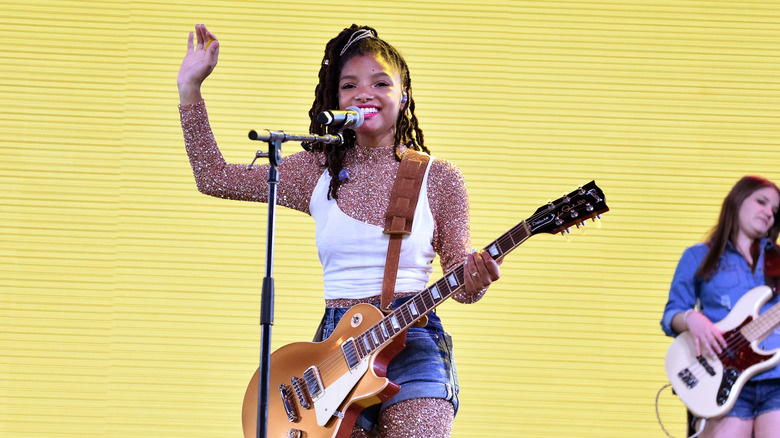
(325, 62)
(343, 175)
(357, 36)
(403, 99)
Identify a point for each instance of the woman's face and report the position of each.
(757, 212)
(370, 83)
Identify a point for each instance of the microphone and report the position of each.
(351, 118)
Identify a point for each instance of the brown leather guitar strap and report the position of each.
(400, 213)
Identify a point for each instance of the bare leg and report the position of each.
(767, 425)
(728, 427)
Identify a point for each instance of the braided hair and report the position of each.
(338, 51)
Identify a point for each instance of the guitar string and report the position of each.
(739, 342)
(326, 367)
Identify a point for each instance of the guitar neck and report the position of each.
(571, 209)
(420, 304)
(761, 326)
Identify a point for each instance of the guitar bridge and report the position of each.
(688, 378)
(289, 403)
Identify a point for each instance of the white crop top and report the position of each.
(353, 253)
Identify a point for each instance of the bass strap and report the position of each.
(400, 213)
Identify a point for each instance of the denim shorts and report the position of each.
(756, 398)
(424, 368)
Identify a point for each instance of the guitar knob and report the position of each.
(294, 433)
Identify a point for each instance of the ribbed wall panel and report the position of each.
(129, 302)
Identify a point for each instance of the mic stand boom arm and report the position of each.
(274, 154)
(271, 137)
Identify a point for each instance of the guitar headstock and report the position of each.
(557, 216)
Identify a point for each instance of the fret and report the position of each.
(402, 318)
(387, 328)
(765, 323)
(395, 324)
(443, 286)
(494, 250)
(427, 300)
(361, 352)
(413, 307)
(435, 292)
(452, 281)
(419, 299)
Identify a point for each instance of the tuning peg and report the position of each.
(565, 233)
(597, 220)
(581, 227)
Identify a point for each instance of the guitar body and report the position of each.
(709, 386)
(345, 391)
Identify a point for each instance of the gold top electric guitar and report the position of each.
(317, 389)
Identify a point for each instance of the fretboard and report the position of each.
(761, 326)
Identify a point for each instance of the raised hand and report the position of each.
(198, 63)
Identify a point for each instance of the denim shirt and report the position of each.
(718, 296)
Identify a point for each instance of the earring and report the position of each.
(403, 99)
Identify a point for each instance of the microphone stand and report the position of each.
(274, 154)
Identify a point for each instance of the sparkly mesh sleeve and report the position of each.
(298, 173)
(449, 202)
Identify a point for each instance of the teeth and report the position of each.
(370, 110)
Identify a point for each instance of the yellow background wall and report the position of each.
(129, 302)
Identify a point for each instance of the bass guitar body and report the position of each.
(317, 389)
(709, 386)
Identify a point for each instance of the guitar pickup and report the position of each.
(707, 367)
(313, 382)
(289, 403)
(350, 354)
(300, 391)
(688, 378)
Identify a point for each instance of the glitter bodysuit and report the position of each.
(364, 197)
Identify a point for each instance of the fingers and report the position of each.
(480, 271)
(200, 30)
(190, 40)
(713, 343)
